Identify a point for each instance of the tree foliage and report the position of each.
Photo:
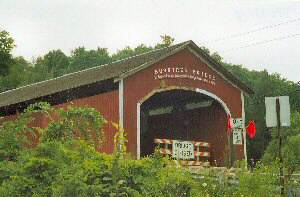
(6, 46)
(291, 146)
(82, 59)
(56, 62)
(167, 40)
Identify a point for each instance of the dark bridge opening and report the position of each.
(183, 115)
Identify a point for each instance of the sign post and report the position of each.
(237, 131)
(281, 178)
(278, 115)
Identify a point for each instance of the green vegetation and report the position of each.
(64, 162)
(6, 46)
(291, 147)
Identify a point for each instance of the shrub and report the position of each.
(66, 163)
(17, 186)
(261, 182)
(292, 154)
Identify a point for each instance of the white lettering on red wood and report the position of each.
(180, 72)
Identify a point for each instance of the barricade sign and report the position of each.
(183, 149)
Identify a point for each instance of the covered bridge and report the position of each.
(175, 93)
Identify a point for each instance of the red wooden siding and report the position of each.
(108, 105)
(137, 86)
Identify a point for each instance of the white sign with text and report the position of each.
(183, 149)
(237, 123)
(237, 136)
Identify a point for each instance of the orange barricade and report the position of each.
(201, 157)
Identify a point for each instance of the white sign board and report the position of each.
(237, 123)
(271, 115)
(285, 111)
(183, 150)
(237, 136)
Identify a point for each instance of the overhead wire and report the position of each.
(260, 42)
(254, 30)
(263, 42)
(257, 30)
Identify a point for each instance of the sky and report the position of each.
(256, 34)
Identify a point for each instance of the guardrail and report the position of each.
(165, 148)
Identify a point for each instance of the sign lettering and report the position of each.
(237, 136)
(237, 123)
(181, 72)
(183, 150)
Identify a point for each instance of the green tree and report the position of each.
(6, 46)
(123, 53)
(166, 41)
(216, 56)
(82, 59)
(38, 71)
(264, 85)
(56, 62)
(142, 49)
(14, 78)
(291, 145)
(128, 52)
(291, 152)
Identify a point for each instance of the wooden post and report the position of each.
(281, 178)
(198, 150)
(245, 146)
(229, 150)
(244, 130)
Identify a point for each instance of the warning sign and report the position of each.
(183, 150)
(237, 136)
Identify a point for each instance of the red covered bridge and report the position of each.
(177, 93)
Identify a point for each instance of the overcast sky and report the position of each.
(39, 26)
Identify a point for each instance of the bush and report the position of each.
(17, 186)
(292, 154)
(66, 163)
(261, 182)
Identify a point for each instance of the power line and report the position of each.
(262, 42)
(254, 30)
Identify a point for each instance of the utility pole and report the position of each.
(281, 176)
